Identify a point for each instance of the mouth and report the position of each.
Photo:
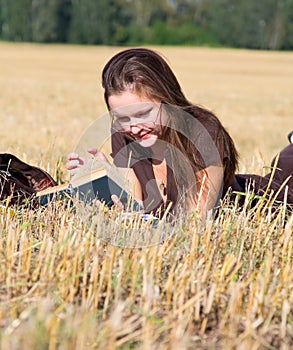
(145, 134)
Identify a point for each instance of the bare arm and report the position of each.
(210, 190)
(133, 181)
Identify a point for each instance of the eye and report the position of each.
(144, 114)
(123, 120)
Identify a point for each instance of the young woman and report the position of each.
(177, 155)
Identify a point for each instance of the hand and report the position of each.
(75, 161)
(117, 204)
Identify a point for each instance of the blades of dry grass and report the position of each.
(228, 282)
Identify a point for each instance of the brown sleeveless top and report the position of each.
(128, 153)
(207, 135)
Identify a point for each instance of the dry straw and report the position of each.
(225, 284)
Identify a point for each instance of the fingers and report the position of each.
(96, 153)
(93, 151)
(72, 155)
(117, 205)
(74, 163)
(117, 202)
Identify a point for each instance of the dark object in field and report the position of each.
(19, 181)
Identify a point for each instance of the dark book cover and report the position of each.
(95, 186)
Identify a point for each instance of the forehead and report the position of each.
(126, 99)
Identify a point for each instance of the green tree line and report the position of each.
(261, 24)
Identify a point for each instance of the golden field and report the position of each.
(224, 284)
(51, 93)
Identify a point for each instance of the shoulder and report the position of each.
(204, 125)
(210, 122)
(218, 135)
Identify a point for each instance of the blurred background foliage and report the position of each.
(261, 24)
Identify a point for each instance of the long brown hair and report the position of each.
(147, 73)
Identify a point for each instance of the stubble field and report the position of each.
(226, 284)
(51, 94)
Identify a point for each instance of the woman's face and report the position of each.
(137, 116)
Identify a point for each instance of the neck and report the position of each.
(158, 152)
(160, 175)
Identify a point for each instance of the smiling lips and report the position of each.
(143, 134)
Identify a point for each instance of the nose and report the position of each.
(135, 129)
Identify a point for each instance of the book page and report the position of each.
(97, 168)
(50, 190)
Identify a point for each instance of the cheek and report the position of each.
(159, 130)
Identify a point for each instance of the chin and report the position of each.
(148, 142)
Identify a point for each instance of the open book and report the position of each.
(95, 181)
